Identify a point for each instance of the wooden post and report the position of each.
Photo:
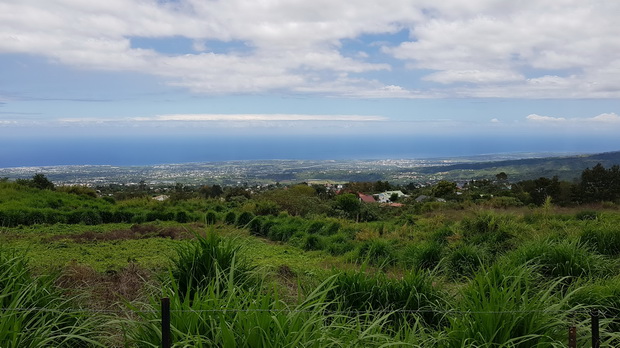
(596, 339)
(165, 323)
(572, 337)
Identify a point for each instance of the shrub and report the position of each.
(339, 244)
(563, 258)
(52, 323)
(230, 218)
(362, 291)
(210, 217)
(587, 215)
(200, 262)
(331, 229)
(312, 242)
(282, 231)
(315, 227)
(244, 218)
(256, 226)
(425, 255)
(490, 230)
(465, 260)
(492, 310)
(376, 252)
(441, 235)
(604, 239)
(181, 217)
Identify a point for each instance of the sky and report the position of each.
(78, 76)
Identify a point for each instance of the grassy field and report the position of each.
(248, 275)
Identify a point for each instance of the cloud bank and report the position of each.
(452, 48)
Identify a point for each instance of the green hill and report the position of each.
(566, 168)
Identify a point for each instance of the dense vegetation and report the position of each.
(488, 263)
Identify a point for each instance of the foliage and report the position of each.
(35, 313)
(567, 259)
(425, 255)
(377, 252)
(465, 260)
(200, 262)
(363, 291)
(492, 307)
(244, 218)
(604, 238)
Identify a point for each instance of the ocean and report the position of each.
(18, 152)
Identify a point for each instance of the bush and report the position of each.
(604, 239)
(493, 308)
(377, 252)
(244, 218)
(587, 215)
(52, 323)
(282, 231)
(339, 244)
(465, 260)
(312, 242)
(256, 226)
(564, 258)
(331, 229)
(200, 262)
(210, 217)
(315, 227)
(230, 218)
(425, 255)
(181, 217)
(489, 230)
(361, 291)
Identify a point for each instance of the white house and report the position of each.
(384, 197)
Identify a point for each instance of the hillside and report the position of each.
(566, 168)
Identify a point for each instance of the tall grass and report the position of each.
(359, 291)
(33, 312)
(226, 312)
(202, 262)
(506, 307)
(567, 259)
(605, 239)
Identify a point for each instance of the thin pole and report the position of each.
(572, 337)
(165, 322)
(596, 339)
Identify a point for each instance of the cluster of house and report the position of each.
(383, 198)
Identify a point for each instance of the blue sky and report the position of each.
(124, 69)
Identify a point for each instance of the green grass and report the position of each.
(34, 313)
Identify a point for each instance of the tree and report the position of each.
(501, 177)
(599, 184)
(349, 204)
(444, 189)
(394, 197)
(41, 182)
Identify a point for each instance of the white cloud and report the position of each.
(478, 48)
(605, 118)
(539, 118)
(222, 120)
(475, 76)
(261, 117)
(495, 120)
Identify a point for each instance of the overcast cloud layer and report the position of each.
(359, 49)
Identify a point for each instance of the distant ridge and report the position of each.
(565, 167)
(252, 172)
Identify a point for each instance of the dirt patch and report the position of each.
(135, 232)
(104, 290)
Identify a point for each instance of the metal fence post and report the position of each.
(165, 323)
(596, 339)
(572, 337)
